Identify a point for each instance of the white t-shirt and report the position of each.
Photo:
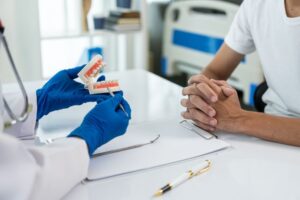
(263, 25)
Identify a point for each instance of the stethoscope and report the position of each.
(24, 115)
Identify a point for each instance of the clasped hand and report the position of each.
(211, 104)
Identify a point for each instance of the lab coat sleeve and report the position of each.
(62, 164)
(16, 102)
(46, 172)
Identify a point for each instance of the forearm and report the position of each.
(278, 129)
(223, 64)
(211, 74)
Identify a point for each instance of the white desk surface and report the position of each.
(250, 169)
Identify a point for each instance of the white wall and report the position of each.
(22, 32)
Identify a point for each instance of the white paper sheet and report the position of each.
(176, 143)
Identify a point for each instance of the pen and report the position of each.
(121, 106)
(198, 169)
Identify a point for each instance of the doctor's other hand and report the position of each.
(103, 123)
(196, 104)
(62, 91)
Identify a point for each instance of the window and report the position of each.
(62, 45)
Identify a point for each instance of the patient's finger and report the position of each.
(220, 82)
(195, 114)
(217, 89)
(226, 88)
(187, 103)
(207, 92)
(193, 102)
(202, 105)
(202, 90)
(228, 91)
(191, 89)
(199, 78)
(203, 84)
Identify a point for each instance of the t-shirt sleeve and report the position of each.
(239, 37)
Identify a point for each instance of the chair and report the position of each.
(260, 90)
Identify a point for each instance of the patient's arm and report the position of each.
(231, 117)
(278, 129)
(223, 64)
(203, 96)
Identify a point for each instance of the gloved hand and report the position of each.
(61, 91)
(103, 123)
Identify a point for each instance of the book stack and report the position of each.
(123, 20)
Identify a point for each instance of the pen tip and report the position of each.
(158, 193)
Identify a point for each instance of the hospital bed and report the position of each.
(193, 33)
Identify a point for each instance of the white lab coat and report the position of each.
(38, 172)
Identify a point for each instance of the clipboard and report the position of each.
(176, 143)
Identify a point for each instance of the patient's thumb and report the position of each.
(228, 91)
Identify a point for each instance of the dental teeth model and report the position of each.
(90, 72)
(92, 69)
(101, 87)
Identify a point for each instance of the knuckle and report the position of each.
(206, 109)
(204, 88)
(203, 118)
(193, 113)
(201, 86)
(193, 99)
(199, 103)
(196, 114)
(217, 90)
(224, 82)
(189, 104)
(203, 78)
(197, 78)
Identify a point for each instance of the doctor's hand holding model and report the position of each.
(273, 29)
(50, 171)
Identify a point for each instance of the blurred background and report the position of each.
(173, 39)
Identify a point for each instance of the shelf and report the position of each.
(122, 49)
(90, 34)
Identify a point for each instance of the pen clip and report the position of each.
(201, 171)
(125, 148)
(193, 127)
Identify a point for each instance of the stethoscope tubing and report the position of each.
(25, 112)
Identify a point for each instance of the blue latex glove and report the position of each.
(61, 91)
(103, 123)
